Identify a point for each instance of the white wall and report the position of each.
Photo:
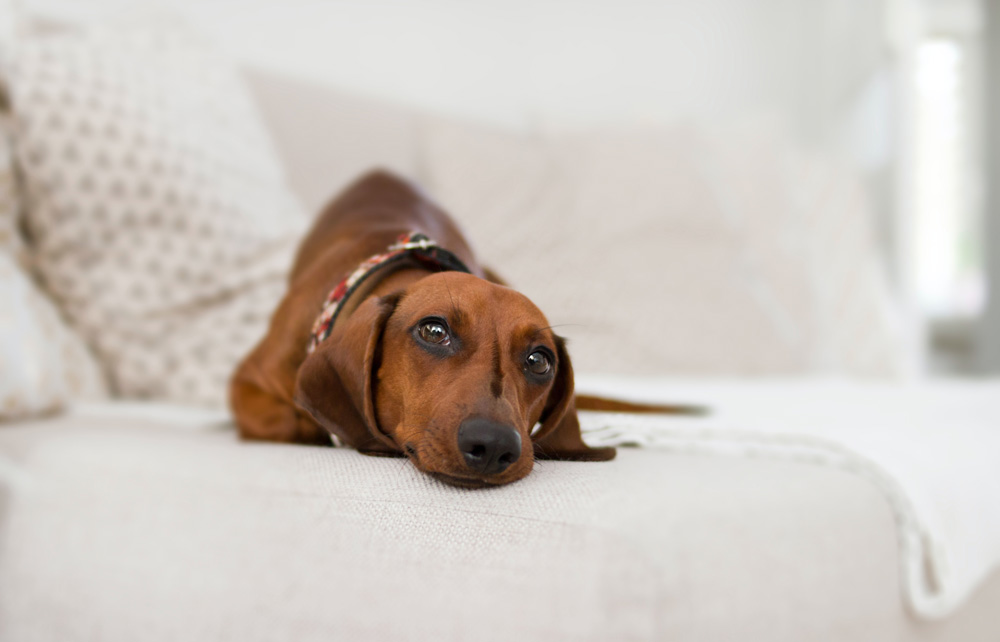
(819, 70)
(554, 64)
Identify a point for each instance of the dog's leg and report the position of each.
(261, 415)
(567, 444)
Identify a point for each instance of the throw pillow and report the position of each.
(159, 218)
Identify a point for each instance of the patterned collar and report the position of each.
(414, 246)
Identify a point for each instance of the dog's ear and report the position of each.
(559, 435)
(335, 384)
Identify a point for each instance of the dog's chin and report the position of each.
(465, 482)
(461, 479)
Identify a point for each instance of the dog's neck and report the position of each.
(391, 282)
(413, 253)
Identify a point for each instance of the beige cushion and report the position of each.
(327, 138)
(159, 218)
(134, 529)
(676, 251)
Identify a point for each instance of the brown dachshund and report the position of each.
(427, 356)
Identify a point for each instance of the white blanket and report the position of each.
(933, 449)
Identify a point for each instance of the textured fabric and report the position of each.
(43, 364)
(933, 450)
(124, 528)
(159, 219)
(11, 242)
(676, 251)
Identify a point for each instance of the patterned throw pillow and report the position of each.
(159, 219)
(43, 364)
(677, 252)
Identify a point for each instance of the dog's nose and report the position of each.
(488, 447)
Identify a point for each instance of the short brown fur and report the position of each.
(370, 384)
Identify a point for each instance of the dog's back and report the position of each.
(365, 219)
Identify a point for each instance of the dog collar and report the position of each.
(414, 246)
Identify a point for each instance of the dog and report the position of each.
(392, 339)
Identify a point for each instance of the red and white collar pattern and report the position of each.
(414, 246)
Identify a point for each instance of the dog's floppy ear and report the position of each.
(335, 383)
(559, 435)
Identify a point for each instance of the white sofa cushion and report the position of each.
(138, 531)
(677, 251)
(127, 528)
(327, 138)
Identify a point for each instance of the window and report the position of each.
(949, 257)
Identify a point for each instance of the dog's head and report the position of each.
(456, 373)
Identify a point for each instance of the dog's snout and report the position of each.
(488, 447)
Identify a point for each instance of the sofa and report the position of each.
(132, 511)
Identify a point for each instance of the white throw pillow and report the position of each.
(675, 251)
(43, 364)
(159, 218)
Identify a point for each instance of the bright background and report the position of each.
(896, 89)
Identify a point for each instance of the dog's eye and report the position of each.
(433, 331)
(538, 363)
